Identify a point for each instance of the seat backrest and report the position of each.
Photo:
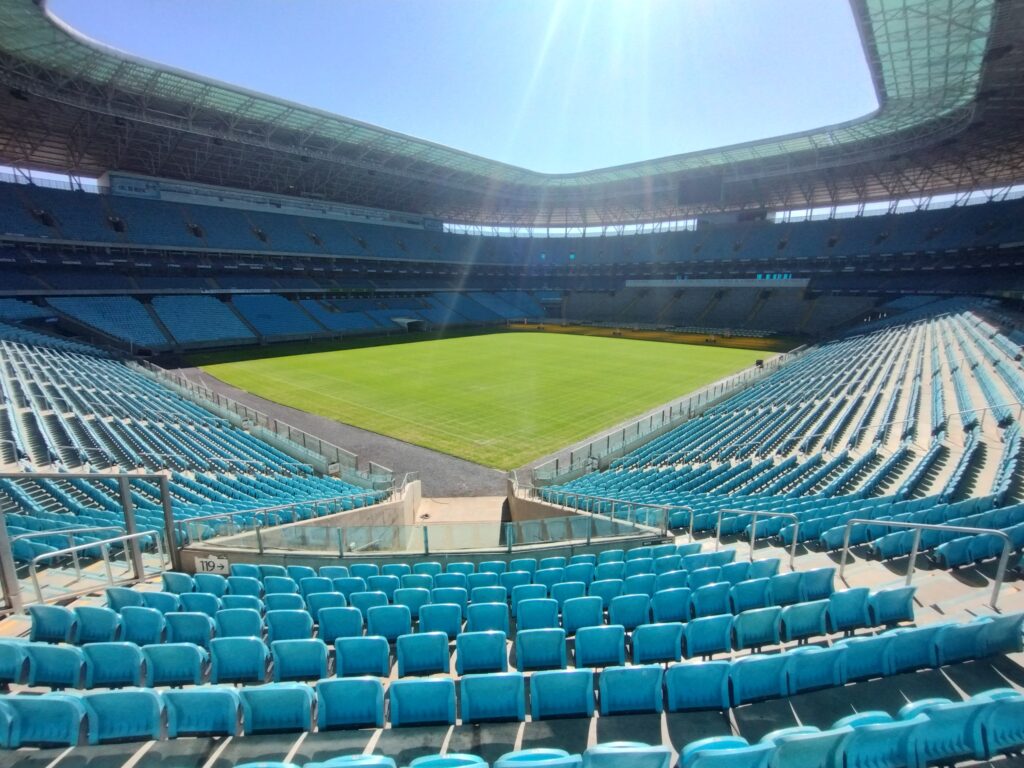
(422, 702)
(389, 621)
(562, 693)
(350, 703)
(97, 624)
(174, 664)
(424, 653)
(304, 659)
(238, 659)
(481, 652)
(631, 690)
(441, 617)
(238, 622)
(697, 686)
(658, 642)
(600, 646)
(142, 626)
(580, 612)
(277, 707)
(52, 624)
(123, 715)
(537, 613)
(211, 711)
(354, 656)
(339, 622)
(493, 697)
(288, 625)
(112, 665)
(195, 628)
(540, 649)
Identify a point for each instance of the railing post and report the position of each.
(172, 544)
(134, 552)
(426, 540)
(8, 574)
(718, 530)
(259, 540)
(1004, 560)
(753, 535)
(913, 555)
(341, 541)
(846, 549)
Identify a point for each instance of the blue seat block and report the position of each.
(540, 649)
(603, 646)
(757, 677)
(174, 664)
(630, 611)
(672, 604)
(357, 656)
(606, 589)
(124, 715)
(817, 584)
(199, 602)
(913, 648)
(53, 720)
(356, 702)
(753, 629)
(812, 667)
(877, 739)
(177, 583)
(537, 614)
(195, 628)
(425, 653)
(288, 625)
(542, 758)
(238, 622)
(238, 660)
(848, 610)
(389, 621)
(112, 665)
(657, 643)
(481, 652)
(724, 752)
(482, 617)
(317, 601)
(277, 708)
(631, 690)
(785, 588)
(55, 666)
(304, 659)
(428, 701)
(413, 598)
(1003, 724)
(804, 620)
(209, 711)
(493, 697)
(339, 622)
(441, 617)
(165, 602)
(13, 662)
(580, 612)
(708, 636)
(890, 606)
(211, 583)
(562, 693)
(625, 753)
(710, 600)
(97, 624)
(457, 595)
(52, 624)
(142, 626)
(697, 686)
(121, 597)
(751, 594)
(867, 657)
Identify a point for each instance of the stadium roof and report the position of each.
(948, 74)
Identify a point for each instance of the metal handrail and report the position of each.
(1004, 558)
(104, 546)
(667, 508)
(71, 539)
(753, 529)
(181, 530)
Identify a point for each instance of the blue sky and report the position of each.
(551, 85)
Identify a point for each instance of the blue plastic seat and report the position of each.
(657, 643)
(631, 690)
(339, 622)
(299, 659)
(579, 612)
(425, 653)
(890, 606)
(639, 566)
(537, 614)
(528, 564)
(245, 585)
(238, 660)
(805, 746)
(491, 594)
(200, 602)
(315, 585)
(630, 611)
(639, 584)
(242, 601)
(671, 580)
(700, 577)
(97, 624)
(123, 715)
(427, 568)
(562, 693)
(395, 569)
(913, 648)
(449, 580)
(422, 702)
(317, 601)
(460, 567)
(176, 583)
(275, 571)
(13, 663)
(600, 646)
(667, 563)
(697, 686)
(333, 571)
(1002, 724)
(493, 566)
(356, 702)
(493, 697)
(785, 588)
(804, 620)
(349, 585)
(280, 585)
(848, 610)
(960, 642)
(540, 649)
(174, 664)
(1003, 634)
(750, 594)
(724, 752)
(417, 581)
(487, 616)
(238, 622)
(950, 731)
(523, 592)
(567, 590)
(611, 556)
(757, 628)
(277, 708)
(817, 584)
(812, 667)
(757, 677)
(540, 758)
(606, 589)
(708, 636)
(112, 665)
(288, 625)
(866, 657)
(248, 570)
(481, 580)
(441, 617)
(710, 600)
(548, 577)
(142, 626)
(355, 656)
(457, 595)
(121, 597)
(389, 621)
(481, 652)
(671, 604)
(208, 711)
(583, 572)
(211, 583)
(385, 584)
(165, 602)
(299, 572)
(512, 579)
(413, 598)
(52, 624)
(627, 753)
(364, 570)
(284, 601)
(49, 721)
(195, 628)
(734, 573)
(878, 739)
(763, 569)
(614, 571)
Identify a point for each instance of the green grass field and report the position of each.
(500, 399)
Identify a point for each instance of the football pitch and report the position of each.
(499, 399)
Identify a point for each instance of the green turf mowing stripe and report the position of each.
(499, 400)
